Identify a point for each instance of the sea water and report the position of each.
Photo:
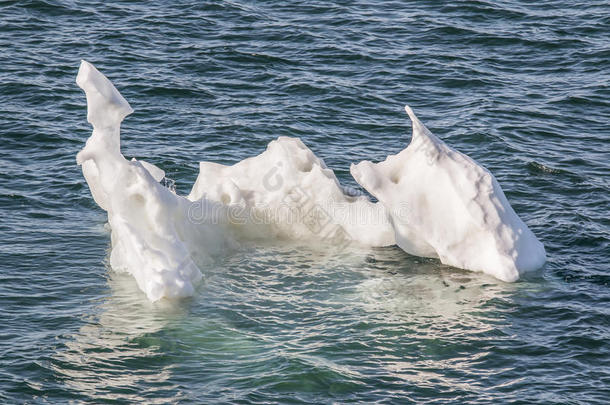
(520, 88)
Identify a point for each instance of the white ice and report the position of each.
(159, 237)
(451, 208)
(433, 202)
(287, 192)
(152, 238)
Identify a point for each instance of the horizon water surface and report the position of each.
(520, 87)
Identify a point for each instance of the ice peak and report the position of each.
(105, 105)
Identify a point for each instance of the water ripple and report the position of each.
(522, 88)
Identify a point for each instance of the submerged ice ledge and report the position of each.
(433, 202)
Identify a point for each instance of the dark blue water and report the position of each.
(522, 87)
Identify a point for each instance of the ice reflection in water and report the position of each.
(292, 319)
(436, 313)
(119, 348)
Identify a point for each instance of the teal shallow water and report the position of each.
(522, 88)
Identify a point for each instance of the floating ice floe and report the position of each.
(151, 236)
(159, 237)
(456, 210)
(433, 202)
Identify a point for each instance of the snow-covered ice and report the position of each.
(152, 238)
(287, 192)
(433, 202)
(159, 237)
(452, 208)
